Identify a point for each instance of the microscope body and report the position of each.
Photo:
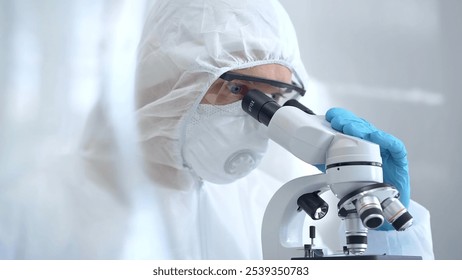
(353, 174)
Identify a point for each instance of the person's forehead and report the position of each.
(269, 71)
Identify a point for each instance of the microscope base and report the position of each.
(363, 257)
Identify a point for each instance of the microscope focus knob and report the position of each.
(313, 205)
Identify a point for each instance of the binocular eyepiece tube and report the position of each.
(260, 106)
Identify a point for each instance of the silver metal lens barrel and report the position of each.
(356, 234)
(396, 214)
(370, 211)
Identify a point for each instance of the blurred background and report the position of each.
(395, 63)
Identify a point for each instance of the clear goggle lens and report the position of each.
(232, 87)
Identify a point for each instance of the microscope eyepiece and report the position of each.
(260, 106)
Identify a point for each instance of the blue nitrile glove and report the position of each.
(392, 150)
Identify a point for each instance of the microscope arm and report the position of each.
(282, 236)
(310, 135)
(311, 138)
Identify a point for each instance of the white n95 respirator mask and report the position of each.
(223, 143)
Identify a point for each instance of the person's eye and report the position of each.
(237, 88)
(276, 96)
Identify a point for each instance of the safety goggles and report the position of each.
(232, 87)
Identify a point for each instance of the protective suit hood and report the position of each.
(185, 46)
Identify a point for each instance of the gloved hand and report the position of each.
(392, 150)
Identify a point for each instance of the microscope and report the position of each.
(353, 174)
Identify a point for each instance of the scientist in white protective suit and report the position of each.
(186, 173)
(202, 152)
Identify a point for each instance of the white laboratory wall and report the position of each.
(397, 64)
